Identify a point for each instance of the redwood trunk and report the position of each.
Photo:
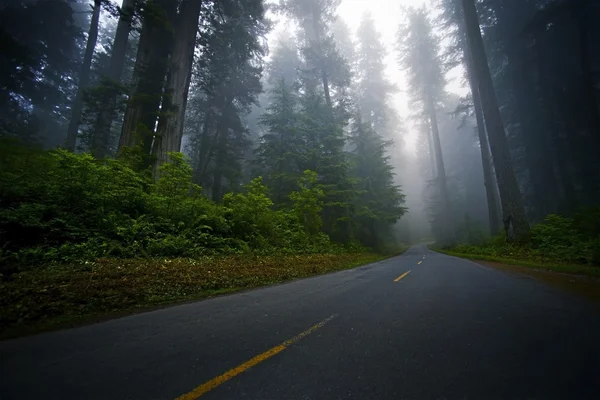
(148, 76)
(513, 210)
(84, 78)
(486, 159)
(170, 125)
(448, 223)
(113, 79)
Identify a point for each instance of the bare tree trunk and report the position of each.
(170, 125)
(84, 78)
(486, 159)
(113, 79)
(448, 223)
(148, 75)
(513, 209)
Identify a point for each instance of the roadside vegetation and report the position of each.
(82, 237)
(558, 243)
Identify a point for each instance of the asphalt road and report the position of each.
(449, 329)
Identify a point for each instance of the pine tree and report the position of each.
(379, 202)
(280, 146)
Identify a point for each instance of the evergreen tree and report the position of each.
(420, 57)
(280, 146)
(379, 203)
(513, 210)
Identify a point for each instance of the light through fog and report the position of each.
(387, 15)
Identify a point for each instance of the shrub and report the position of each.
(62, 207)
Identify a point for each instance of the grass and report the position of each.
(534, 264)
(69, 295)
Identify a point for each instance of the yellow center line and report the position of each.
(402, 276)
(213, 383)
(420, 262)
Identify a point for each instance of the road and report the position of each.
(448, 329)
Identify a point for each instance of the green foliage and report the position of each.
(556, 239)
(58, 206)
(308, 202)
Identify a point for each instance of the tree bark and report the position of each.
(486, 159)
(113, 79)
(513, 210)
(170, 124)
(448, 223)
(148, 76)
(84, 78)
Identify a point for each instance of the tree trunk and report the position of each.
(113, 80)
(324, 77)
(84, 78)
(148, 76)
(221, 153)
(486, 159)
(513, 210)
(448, 223)
(170, 125)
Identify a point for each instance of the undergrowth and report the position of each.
(560, 241)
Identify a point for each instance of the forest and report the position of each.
(229, 134)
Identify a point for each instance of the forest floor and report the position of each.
(63, 296)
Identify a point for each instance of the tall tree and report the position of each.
(323, 60)
(379, 201)
(374, 89)
(170, 126)
(149, 75)
(280, 146)
(112, 81)
(454, 19)
(41, 42)
(420, 56)
(84, 77)
(513, 209)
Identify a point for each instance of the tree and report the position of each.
(419, 55)
(513, 210)
(227, 85)
(453, 10)
(149, 76)
(112, 81)
(84, 77)
(170, 126)
(379, 202)
(374, 89)
(322, 59)
(40, 45)
(280, 145)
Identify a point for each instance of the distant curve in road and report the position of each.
(419, 326)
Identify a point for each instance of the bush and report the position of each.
(62, 207)
(556, 239)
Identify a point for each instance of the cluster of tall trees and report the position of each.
(530, 68)
(143, 78)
